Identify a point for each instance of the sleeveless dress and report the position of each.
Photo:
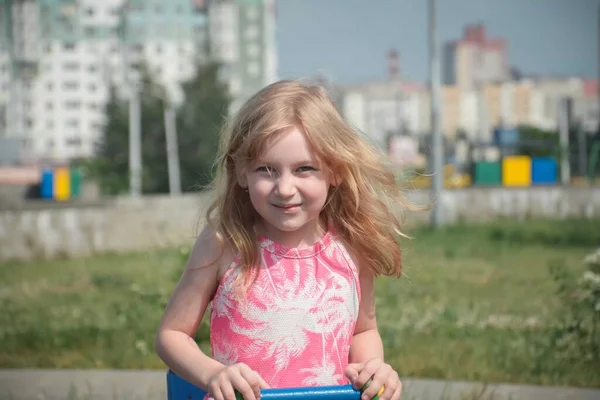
(295, 323)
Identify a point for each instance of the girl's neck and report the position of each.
(306, 236)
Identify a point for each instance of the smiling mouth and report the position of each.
(287, 206)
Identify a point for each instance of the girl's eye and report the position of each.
(306, 168)
(265, 168)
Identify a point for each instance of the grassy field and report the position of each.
(474, 304)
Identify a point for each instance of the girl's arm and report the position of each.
(174, 340)
(366, 350)
(366, 343)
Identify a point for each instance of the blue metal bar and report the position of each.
(341, 392)
(179, 389)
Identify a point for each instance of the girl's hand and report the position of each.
(238, 377)
(381, 377)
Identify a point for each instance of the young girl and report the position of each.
(304, 219)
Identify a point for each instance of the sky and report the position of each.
(348, 40)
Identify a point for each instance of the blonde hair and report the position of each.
(362, 206)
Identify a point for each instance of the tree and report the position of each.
(198, 123)
(536, 142)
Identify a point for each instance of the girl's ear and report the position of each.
(241, 178)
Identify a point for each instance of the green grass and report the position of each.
(475, 304)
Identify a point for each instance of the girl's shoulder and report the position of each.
(211, 251)
(359, 263)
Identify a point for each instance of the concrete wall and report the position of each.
(39, 230)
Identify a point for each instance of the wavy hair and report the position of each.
(364, 205)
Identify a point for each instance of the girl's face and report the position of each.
(288, 188)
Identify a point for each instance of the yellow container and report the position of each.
(516, 171)
(62, 184)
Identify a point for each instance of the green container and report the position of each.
(488, 173)
(75, 182)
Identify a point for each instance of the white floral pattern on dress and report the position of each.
(295, 324)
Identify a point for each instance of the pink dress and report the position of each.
(295, 324)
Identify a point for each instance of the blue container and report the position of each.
(543, 171)
(47, 184)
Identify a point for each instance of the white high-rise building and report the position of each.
(73, 51)
(59, 57)
(242, 38)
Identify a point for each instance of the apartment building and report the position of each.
(58, 59)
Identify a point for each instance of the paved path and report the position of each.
(150, 385)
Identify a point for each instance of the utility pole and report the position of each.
(130, 82)
(563, 127)
(582, 150)
(12, 106)
(437, 159)
(135, 140)
(598, 60)
(172, 150)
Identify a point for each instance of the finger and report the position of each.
(227, 391)
(368, 372)
(392, 384)
(374, 390)
(263, 383)
(241, 384)
(378, 380)
(397, 393)
(351, 372)
(216, 393)
(386, 392)
(253, 380)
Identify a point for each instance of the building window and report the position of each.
(89, 12)
(71, 66)
(251, 32)
(69, 46)
(72, 105)
(251, 13)
(253, 69)
(253, 50)
(72, 123)
(137, 48)
(97, 126)
(136, 7)
(69, 28)
(74, 141)
(71, 85)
